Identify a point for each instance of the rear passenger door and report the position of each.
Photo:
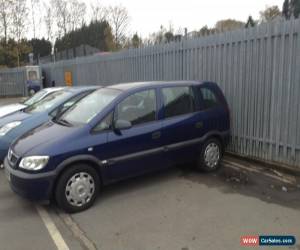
(215, 114)
(136, 150)
(182, 124)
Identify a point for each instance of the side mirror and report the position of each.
(122, 124)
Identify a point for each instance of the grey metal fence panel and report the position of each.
(257, 68)
(12, 82)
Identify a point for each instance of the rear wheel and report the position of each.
(77, 188)
(210, 156)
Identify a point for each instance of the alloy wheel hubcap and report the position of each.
(80, 189)
(212, 155)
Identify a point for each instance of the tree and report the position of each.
(6, 8)
(13, 54)
(99, 12)
(97, 34)
(77, 11)
(169, 36)
(48, 19)
(157, 37)
(228, 24)
(119, 20)
(19, 26)
(61, 14)
(136, 41)
(33, 6)
(40, 47)
(250, 22)
(286, 9)
(270, 13)
(295, 8)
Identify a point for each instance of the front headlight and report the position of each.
(34, 162)
(9, 126)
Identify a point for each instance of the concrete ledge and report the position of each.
(267, 164)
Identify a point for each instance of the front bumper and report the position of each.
(4, 145)
(33, 186)
(3, 153)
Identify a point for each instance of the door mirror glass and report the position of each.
(122, 124)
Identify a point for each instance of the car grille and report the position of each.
(12, 158)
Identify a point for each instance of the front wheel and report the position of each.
(31, 92)
(77, 188)
(210, 156)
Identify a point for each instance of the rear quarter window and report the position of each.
(209, 98)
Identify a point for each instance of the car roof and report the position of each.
(137, 85)
(78, 89)
(49, 90)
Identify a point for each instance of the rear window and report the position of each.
(178, 101)
(209, 98)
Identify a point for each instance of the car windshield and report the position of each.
(35, 98)
(86, 109)
(48, 102)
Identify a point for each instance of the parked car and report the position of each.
(119, 132)
(16, 124)
(11, 108)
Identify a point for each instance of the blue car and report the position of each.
(18, 123)
(118, 132)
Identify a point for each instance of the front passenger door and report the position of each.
(136, 150)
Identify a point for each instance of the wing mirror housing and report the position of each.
(122, 125)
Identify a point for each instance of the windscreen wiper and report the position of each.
(63, 122)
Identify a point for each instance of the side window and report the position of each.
(178, 101)
(105, 124)
(209, 98)
(138, 108)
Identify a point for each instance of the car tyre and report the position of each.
(77, 188)
(31, 92)
(210, 155)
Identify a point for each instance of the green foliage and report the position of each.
(291, 8)
(40, 47)
(270, 13)
(136, 41)
(286, 9)
(250, 22)
(169, 36)
(295, 8)
(13, 54)
(97, 34)
(228, 25)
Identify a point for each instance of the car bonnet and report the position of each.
(8, 109)
(17, 116)
(39, 138)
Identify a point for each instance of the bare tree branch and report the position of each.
(99, 11)
(119, 20)
(6, 8)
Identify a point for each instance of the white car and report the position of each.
(11, 108)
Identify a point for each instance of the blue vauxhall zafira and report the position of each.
(117, 132)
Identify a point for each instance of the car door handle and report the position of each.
(199, 125)
(156, 135)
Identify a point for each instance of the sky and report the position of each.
(147, 16)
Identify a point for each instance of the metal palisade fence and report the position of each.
(12, 82)
(257, 68)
